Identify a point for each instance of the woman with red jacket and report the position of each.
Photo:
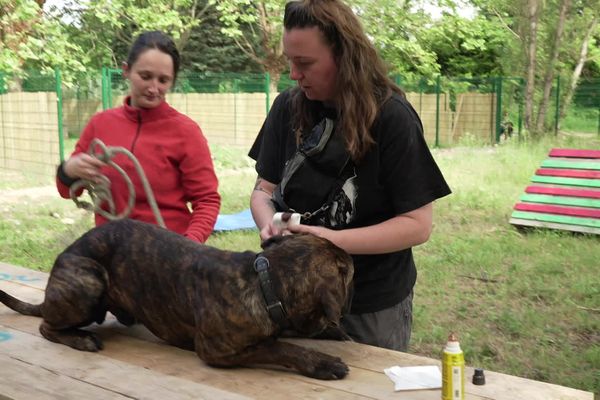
(169, 146)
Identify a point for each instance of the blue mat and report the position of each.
(232, 222)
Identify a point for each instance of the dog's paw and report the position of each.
(89, 342)
(75, 338)
(329, 368)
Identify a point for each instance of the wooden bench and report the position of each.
(135, 364)
(565, 194)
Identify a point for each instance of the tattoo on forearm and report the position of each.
(258, 188)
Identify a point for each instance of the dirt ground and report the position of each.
(13, 196)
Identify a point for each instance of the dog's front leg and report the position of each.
(306, 361)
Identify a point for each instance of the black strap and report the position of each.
(274, 306)
(63, 177)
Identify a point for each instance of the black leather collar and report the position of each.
(274, 305)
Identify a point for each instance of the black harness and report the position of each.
(274, 305)
(314, 175)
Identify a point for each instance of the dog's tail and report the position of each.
(22, 307)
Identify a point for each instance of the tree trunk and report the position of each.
(549, 75)
(566, 102)
(532, 18)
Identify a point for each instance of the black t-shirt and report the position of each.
(396, 176)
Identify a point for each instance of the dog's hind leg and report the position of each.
(75, 297)
(308, 362)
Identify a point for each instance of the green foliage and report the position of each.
(582, 120)
(397, 32)
(256, 28)
(467, 47)
(28, 40)
(209, 50)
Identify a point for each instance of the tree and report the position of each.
(532, 13)
(397, 32)
(264, 20)
(591, 19)
(107, 27)
(209, 50)
(30, 40)
(467, 47)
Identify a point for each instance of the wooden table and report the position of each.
(136, 365)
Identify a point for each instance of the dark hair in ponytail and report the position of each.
(154, 40)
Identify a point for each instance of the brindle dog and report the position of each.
(197, 297)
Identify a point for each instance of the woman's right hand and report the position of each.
(262, 208)
(83, 166)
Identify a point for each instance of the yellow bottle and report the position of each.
(453, 370)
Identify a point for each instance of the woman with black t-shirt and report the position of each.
(377, 196)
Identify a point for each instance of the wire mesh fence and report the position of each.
(583, 114)
(39, 110)
(29, 129)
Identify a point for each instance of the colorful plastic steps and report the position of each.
(565, 194)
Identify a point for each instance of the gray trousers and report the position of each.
(389, 328)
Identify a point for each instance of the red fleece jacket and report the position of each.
(175, 157)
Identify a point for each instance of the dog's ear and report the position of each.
(329, 304)
(270, 241)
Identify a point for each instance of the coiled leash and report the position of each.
(100, 191)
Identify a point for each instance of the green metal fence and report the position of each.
(230, 108)
(583, 114)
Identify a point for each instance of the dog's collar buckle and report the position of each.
(274, 305)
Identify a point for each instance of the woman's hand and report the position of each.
(83, 166)
(397, 233)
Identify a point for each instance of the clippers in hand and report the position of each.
(285, 220)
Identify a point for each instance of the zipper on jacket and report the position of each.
(137, 132)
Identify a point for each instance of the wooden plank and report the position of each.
(550, 225)
(559, 210)
(365, 381)
(560, 219)
(566, 181)
(23, 276)
(560, 200)
(569, 173)
(185, 365)
(561, 191)
(574, 153)
(558, 163)
(22, 380)
(99, 371)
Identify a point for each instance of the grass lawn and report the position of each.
(523, 303)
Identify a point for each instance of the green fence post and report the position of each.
(3, 88)
(438, 86)
(236, 89)
(268, 91)
(109, 74)
(598, 119)
(557, 108)
(59, 109)
(103, 88)
(498, 83)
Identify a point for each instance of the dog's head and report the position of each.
(313, 278)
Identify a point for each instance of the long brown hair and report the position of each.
(362, 83)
